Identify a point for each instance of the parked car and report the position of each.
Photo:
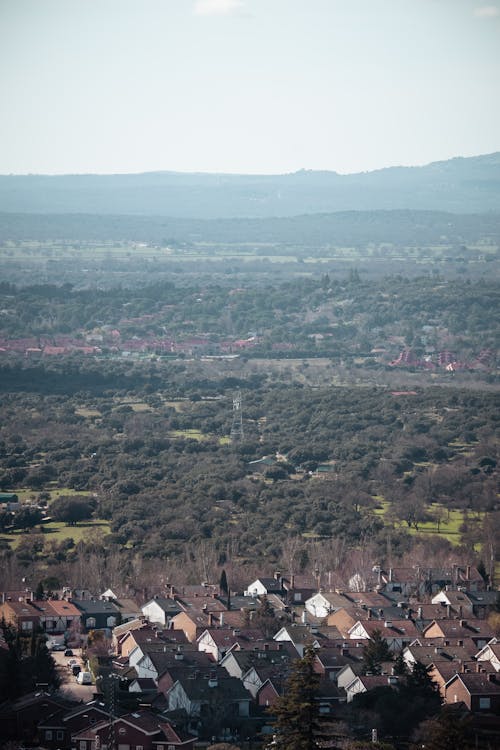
(76, 669)
(84, 678)
(58, 647)
(68, 652)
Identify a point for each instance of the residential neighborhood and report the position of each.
(191, 665)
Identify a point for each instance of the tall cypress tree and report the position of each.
(297, 712)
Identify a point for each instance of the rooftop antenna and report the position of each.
(237, 423)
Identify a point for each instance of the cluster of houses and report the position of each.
(113, 342)
(196, 663)
(444, 360)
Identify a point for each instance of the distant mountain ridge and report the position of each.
(459, 185)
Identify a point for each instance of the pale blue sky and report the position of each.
(254, 86)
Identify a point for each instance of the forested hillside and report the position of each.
(461, 185)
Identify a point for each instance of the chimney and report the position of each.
(390, 575)
(221, 619)
(448, 611)
(463, 623)
(277, 575)
(467, 573)
(292, 581)
(388, 624)
(210, 619)
(304, 617)
(491, 677)
(369, 613)
(419, 613)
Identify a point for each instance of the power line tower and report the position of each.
(237, 423)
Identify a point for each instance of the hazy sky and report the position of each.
(246, 85)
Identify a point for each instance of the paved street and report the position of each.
(69, 685)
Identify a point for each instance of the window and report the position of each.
(485, 703)
(48, 734)
(83, 745)
(90, 622)
(139, 747)
(27, 625)
(60, 734)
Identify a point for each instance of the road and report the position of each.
(69, 685)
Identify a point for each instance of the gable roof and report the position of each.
(477, 684)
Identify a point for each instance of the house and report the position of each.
(298, 588)
(129, 609)
(196, 619)
(19, 719)
(455, 603)
(155, 664)
(120, 632)
(57, 615)
(490, 653)
(142, 685)
(434, 652)
(97, 614)
(20, 595)
(300, 636)
(262, 464)
(346, 617)
(409, 581)
(217, 642)
(441, 672)
(9, 501)
(21, 615)
(329, 662)
(324, 603)
(134, 731)
(479, 692)
(397, 633)
(460, 630)
(363, 683)
(199, 697)
(348, 674)
(238, 662)
(186, 665)
(264, 586)
(149, 638)
(56, 729)
(160, 610)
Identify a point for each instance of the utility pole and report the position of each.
(237, 423)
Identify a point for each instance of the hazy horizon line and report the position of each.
(244, 174)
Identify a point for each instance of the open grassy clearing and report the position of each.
(82, 411)
(28, 496)
(57, 531)
(449, 526)
(189, 434)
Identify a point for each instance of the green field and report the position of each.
(58, 531)
(449, 528)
